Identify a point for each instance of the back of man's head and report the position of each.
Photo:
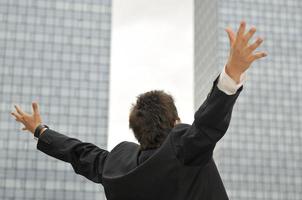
(152, 118)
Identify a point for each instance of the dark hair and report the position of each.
(152, 118)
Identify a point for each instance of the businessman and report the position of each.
(173, 160)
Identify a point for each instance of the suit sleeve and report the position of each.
(86, 158)
(211, 121)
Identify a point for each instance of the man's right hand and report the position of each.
(242, 53)
(30, 121)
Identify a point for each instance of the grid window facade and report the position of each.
(57, 53)
(260, 156)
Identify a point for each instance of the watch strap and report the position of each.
(38, 130)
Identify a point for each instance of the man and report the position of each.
(173, 160)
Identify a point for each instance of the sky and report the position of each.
(151, 48)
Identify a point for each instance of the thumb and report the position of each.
(35, 107)
(231, 35)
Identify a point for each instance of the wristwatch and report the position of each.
(38, 130)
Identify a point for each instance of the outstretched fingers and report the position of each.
(259, 55)
(19, 110)
(35, 107)
(255, 45)
(241, 29)
(17, 116)
(231, 34)
(249, 34)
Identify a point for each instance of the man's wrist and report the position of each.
(233, 74)
(39, 130)
(229, 85)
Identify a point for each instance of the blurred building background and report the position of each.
(55, 52)
(261, 156)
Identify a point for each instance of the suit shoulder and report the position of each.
(124, 145)
(177, 132)
(180, 128)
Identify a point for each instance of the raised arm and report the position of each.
(86, 159)
(212, 119)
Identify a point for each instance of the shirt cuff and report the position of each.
(227, 84)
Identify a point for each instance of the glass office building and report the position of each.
(57, 53)
(260, 157)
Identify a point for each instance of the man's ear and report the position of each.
(177, 122)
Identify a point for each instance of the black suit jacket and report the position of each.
(181, 169)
